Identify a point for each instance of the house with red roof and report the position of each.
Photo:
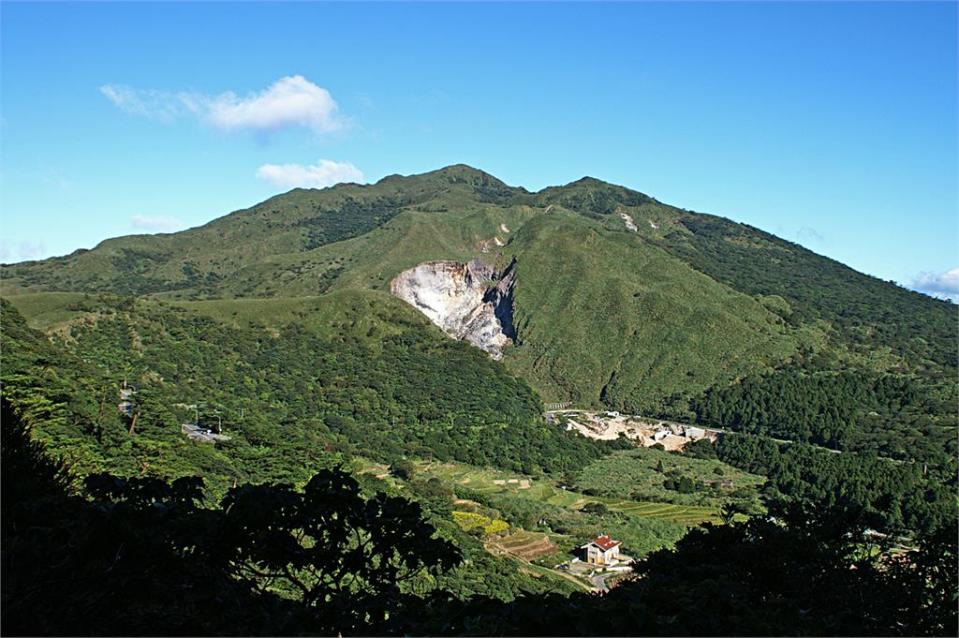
(602, 550)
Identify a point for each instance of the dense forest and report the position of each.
(897, 416)
(893, 496)
(290, 402)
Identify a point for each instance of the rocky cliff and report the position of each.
(468, 301)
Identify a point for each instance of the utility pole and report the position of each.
(133, 423)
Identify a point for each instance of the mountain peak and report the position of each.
(453, 174)
(586, 180)
(460, 173)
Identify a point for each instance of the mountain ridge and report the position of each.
(619, 299)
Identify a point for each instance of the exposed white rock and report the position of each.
(653, 225)
(462, 300)
(503, 228)
(628, 220)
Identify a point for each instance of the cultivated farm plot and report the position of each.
(363, 465)
(689, 515)
(483, 480)
(526, 545)
(495, 482)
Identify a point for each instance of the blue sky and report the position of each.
(834, 125)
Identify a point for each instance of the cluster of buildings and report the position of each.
(609, 425)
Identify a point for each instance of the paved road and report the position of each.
(599, 582)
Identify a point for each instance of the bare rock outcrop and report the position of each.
(468, 301)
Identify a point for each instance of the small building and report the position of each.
(602, 550)
(202, 435)
(127, 399)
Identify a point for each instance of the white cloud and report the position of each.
(942, 285)
(156, 105)
(320, 175)
(156, 223)
(290, 101)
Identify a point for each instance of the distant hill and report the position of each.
(618, 299)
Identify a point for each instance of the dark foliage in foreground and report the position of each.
(143, 557)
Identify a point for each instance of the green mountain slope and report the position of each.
(604, 315)
(291, 401)
(619, 299)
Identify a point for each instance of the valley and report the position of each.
(548, 520)
(426, 338)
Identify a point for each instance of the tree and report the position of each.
(599, 509)
(402, 469)
(344, 556)
(143, 555)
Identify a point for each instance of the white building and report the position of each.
(603, 550)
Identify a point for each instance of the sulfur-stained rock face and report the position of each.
(468, 301)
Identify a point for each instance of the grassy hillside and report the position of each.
(866, 311)
(195, 261)
(275, 327)
(620, 300)
(603, 315)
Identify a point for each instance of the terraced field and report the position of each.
(487, 481)
(689, 515)
(526, 545)
(640, 475)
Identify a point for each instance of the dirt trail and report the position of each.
(497, 551)
(554, 572)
